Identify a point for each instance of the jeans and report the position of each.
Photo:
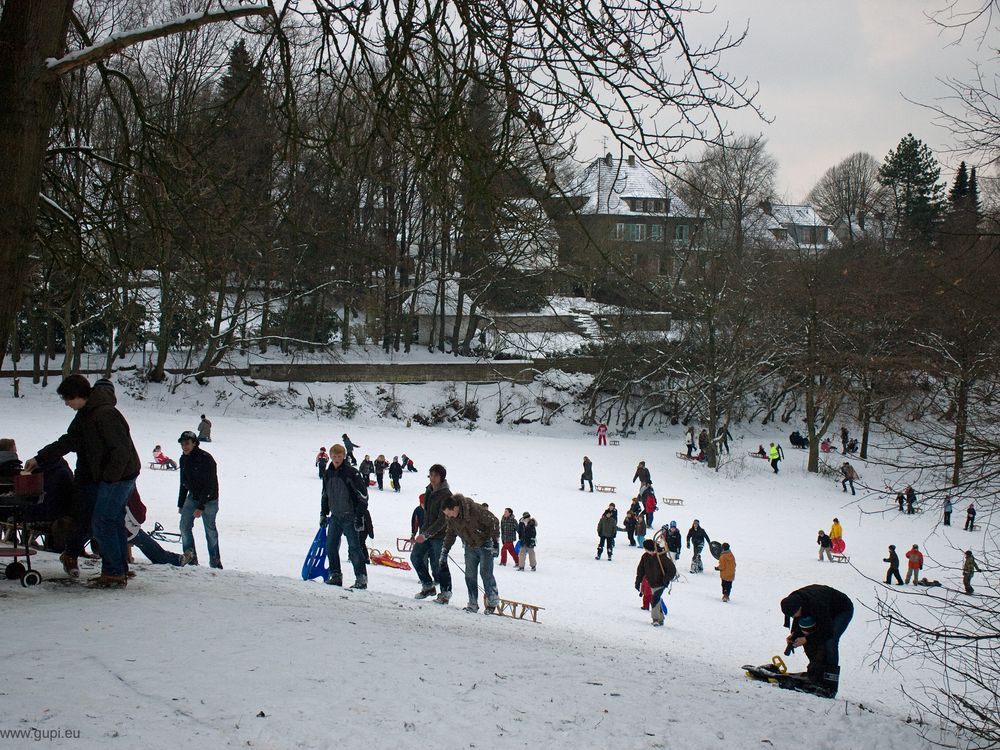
(108, 525)
(380, 477)
(211, 532)
(481, 558)
(831, 647)
(151, 549)
(649, 519)
(913, 573)
(848, 482)
(343, 525)
(425, 556)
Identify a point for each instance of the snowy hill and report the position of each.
(190, 657)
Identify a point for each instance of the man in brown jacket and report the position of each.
(480, 531)
(658, 569)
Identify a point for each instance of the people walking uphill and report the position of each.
(204, 430)
(656, 567)
(689, 440)
(642, 474)
(774, 455)
(607, 530)
(911, 500)
(342, 508)
(674, 540)
(849, 476)
(395, 474)
(602, 434)
(817, 616)
(699, 537)
(322, 459)
(824, 542)
(893, 571)
(107, 465)
(727, 571)
(508, 535)
(914, 564)
(970, 518)
(588, 474)
(969, 568)
(947, 510)
(649, 506)
(380, 466)
(428, 562)
(349, 446)
(527, 535)
(198, 498)
(366, 468)
(477, 528)
(900, 501)
(629, 526)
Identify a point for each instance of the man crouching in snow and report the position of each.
(659, 570)
(480, 531)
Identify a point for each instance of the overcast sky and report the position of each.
(833, 75)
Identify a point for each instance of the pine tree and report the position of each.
(960, 189)
(911, 174)
(963, 212)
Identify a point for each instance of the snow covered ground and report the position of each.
(253, 657)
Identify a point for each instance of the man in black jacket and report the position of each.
(893, 560)
(431, 566)
(198, 498)
(107, 465)
(818, 616)
(343, 506)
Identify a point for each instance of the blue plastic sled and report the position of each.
(663, 607)
(517, 550)
(315, 564)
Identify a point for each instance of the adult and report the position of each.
(508, 534)
(656, 567)
(642, 474)
(198, 497)
(969, 568)
(948, 507)
(914, 564)
(699, 537)
(689, 440)
(107, 465)
(527, 535)
(342, 510)
(893, 571)
(607, 530)
(648, 499)
(205, 430)
(911, 500)
(349, 446)
(703, 442)
(602, 434)
(727, 571)
(844, 436)
(774, 455)
(849, 476)
(430, 565)
(818, 616)
(722, 437)
(588, 473)
(477, 528)
(970, 518)
(395, 473)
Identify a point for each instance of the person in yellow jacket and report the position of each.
(774, 454)
(727, 571)
(836, 531)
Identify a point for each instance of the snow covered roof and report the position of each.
(798, 215)
(607, 182)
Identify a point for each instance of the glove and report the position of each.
(359, 524)
(638, 587)
(323, 520)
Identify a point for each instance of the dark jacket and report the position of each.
(345, 492)
(657, 568)
(57, 483)
(395, 470)
(674, 539)
(475, 524)
(823, 540)
(508, 529)
(642, 474)
(819, 601)
(699, 536)
(892, 559)
(607, 527)
(380, 466)
(526, 532)
(416, 520)
(99, 435)
(366, 467)
(588, 469)
(199, 476)
(435, 522)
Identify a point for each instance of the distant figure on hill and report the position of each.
(970, 518)
(322, 459)
(893, 571)
(602, 434)
(642, 474)
(588, 474)
(775, 454)
(727, 571)
(407, 463)
(205, 430)
(844, 436)
(947, 510)
(911, 499)
(162, 459)
(914, 564)
(969, 568)
(722, 437)
(349, 446)
(849, 476)
(689, 439)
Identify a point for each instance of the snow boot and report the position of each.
(443, 597)
(331, 581)
(360, 584)
(426, 593)
(70, 565)
(471, 607)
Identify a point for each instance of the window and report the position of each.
(656, 232)
(617, 231)
(681, 232)
(635, 232)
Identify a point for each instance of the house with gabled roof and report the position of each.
(791, 225)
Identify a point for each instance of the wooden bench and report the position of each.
(605, 488)
(670, 501)
(509, 608)
(614, 441)
(840, 558)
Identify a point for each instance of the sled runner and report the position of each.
(840, 558)
(164, 536)
(685, 457)
(671, 501)
(403, 544)
(605, 488)
(776, 673)
(516, 610)
(614, 441)
(757, 455)
(155, 466)
(387, 559)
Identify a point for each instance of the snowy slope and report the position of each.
(189, 657)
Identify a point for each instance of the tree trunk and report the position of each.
(961, 426)
(29, 33)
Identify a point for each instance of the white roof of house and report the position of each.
(799, 215)
(606, 186)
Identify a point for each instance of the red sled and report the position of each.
(372, 482)
(387, 559)
(837, 546)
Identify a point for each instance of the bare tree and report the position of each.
(849, 195)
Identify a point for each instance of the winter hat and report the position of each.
(790, 605)
(524, 515)
(725, 546)
(807, 623)
(188, 435)
(673, 524)
(649, 546)
(892, 546)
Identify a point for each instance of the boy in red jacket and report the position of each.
(915, 562)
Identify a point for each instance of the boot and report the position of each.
(443, 598)
(360, 584)
(108, 582)
(426, 593)
(70, 565)
(830, 681)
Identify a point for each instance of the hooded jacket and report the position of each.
(474, 524)
(727, 566)
(100, 437)
(657, 568)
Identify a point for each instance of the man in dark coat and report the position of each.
(198, 497)
(426, 553)
(342, 508)
(642, 474)
(818, 616)
(893, 560)
(659, 570)
(107, 465)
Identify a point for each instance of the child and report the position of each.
(824, 542)
(408, 463)
(656, 567)
(380, 466)
(640, 529)
(674, 540)
(527, 534)
(366, 468)
(322, 459)
(607, 529)
(508, 533)
(395, 473)
(629, 528)
(417, 518)
(160, 457)
(727, 571)
(970, 518)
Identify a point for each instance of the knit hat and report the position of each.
(526, 514)
(673, 524)
(725, 546)
(649, 546)
(807, 623)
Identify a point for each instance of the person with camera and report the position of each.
(342, 510)
(817, 616)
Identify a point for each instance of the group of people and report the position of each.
(367, 467)
(703, 441)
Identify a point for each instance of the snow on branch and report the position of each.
(119, 41)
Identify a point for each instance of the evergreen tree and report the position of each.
(960, 189)
(963, 213)
(910, 172)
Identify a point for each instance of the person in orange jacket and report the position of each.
(727, 571)
(914, 564)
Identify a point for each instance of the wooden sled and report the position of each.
(155, 466)
(840, 558)
(605, 488)
(516, 610)
(614, 441)
(685, 457)
(403, 544)
(670, 501)
(757, 455)
(387, 559)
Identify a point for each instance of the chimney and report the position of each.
(631, 160)
(765, 206)
(608, 160)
